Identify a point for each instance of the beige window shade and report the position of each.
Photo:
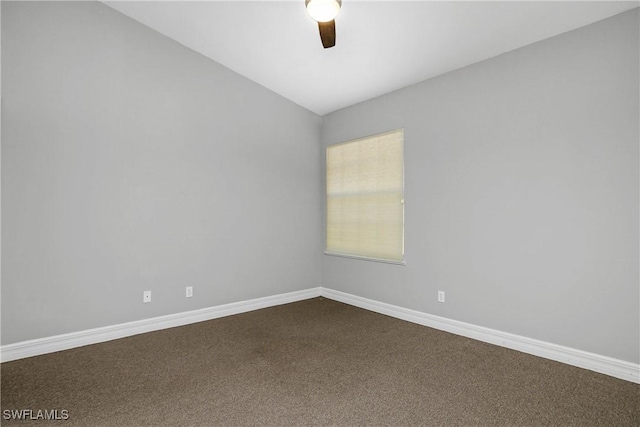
(365, 197)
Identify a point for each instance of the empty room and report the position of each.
(320, 212)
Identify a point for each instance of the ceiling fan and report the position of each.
(324, 13)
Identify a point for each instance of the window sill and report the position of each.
(364, 258)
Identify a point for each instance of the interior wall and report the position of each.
(521, 191)
(132, 163)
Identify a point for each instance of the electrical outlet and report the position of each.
(189, 291)
(146, 297)
(440, 296)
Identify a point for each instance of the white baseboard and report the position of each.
(46, 345)
(595, 362)
(582, 359)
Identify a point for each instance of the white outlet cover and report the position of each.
(189, 291)
(146, 297)
(440, 296)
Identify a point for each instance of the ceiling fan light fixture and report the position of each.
(323, 10)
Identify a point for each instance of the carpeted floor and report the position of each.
(314, 362)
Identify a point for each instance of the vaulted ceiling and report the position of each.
(381, 45)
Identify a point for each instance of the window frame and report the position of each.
(326, 198)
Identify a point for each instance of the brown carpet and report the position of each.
(314, 362)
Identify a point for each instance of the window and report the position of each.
(365, 198)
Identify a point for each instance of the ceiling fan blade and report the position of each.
(327, 33)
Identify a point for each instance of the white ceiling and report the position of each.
(381, 46)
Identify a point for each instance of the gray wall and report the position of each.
(521, 192)
(131, 163)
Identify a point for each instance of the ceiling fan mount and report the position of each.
(324, 13)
